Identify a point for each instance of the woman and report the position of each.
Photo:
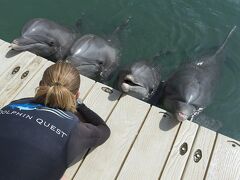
(40, 137)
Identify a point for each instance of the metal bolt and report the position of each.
(16, 69)
(24, 74)
(183, 148)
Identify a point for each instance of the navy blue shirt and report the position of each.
(38, 142)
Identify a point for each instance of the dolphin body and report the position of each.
(45, 38)
(96, 57)
(190, 89)
(140, 80)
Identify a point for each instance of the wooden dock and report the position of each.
(145, 144)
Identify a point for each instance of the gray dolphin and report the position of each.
(141, 80)
(190, 89)
(45, 38)
(94, 56)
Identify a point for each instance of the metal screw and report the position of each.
(197, 156)
(183, 148)
(15, 70)
(24, 74)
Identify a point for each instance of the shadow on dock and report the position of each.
(11, 53)
(167, 122)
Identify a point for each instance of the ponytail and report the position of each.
(59, 86)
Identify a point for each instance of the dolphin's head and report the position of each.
(141, 80)
(44, 38)
(41, 45)
(180, 110)
(94, 57)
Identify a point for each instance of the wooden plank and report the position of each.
(176, 162)
(152, 147)
(124, 122)
(1, 42)
(85, 86)
(225, 162)
(102, 103)
(18, 82)
(22, 62)
(8, 57)
(204, 141)
(29, 89)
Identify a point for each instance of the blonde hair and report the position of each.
(59, 86)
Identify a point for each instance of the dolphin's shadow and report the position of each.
(167, 122)
(11, 53)
(113, 97)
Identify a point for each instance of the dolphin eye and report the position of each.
(150, 91)
(51, 43)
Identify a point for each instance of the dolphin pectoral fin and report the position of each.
(225, 41)
(79, 24)
(122, 26)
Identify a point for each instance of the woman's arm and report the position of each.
(89, 116)
(90, 134)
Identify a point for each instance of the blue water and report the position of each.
(181, 27)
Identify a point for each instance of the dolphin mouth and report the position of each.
(130, 83)
(22, 44)
(129, 80)
(21, 47)
(181, 116)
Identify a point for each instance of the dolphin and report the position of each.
(141, 80)
(190, 89)
(45, 38)
(96, 57)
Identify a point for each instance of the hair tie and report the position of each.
(56, 84)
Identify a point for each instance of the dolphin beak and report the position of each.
(129, 79)
(12, 46)
(125, 87)
(181, 116)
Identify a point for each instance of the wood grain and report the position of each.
(225, 162)
(176, 162)
(17, 83)
(152, 147)
(204, 141)
(8, 57)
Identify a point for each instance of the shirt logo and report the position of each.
(27, 106)
(39, 107)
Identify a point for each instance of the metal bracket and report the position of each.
(197, 156)
(16, 69)
(107, 90)
(165, 114)
(24, 74)
(183, 149)
(234, 144)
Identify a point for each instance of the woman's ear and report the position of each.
(77, 95)
(40, 83)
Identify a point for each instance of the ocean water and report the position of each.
(182, 27)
